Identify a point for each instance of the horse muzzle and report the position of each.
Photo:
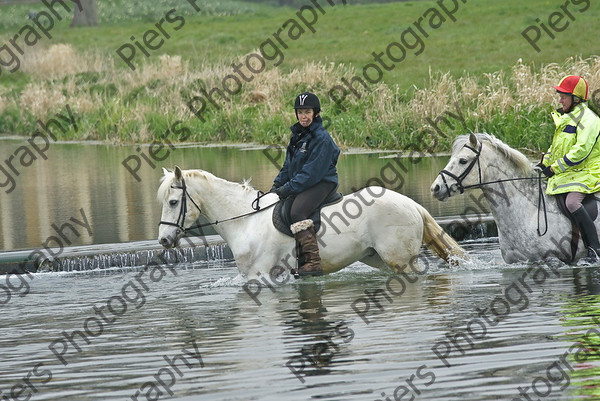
(170, 241)
(442, 191)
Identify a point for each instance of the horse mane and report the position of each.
(167, 180)
(246, 184)
(520, 161)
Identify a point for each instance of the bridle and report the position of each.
(183, 210)
(459, 183)
(459, 178)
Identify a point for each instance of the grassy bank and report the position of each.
(480, 64)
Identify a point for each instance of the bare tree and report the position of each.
(88, 16)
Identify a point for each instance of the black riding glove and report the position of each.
(281, 192)
(547, 172)
(538, 168)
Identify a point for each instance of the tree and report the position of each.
(88, 16)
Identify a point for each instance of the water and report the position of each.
(88, 182)
(308, 339)
(247, 351)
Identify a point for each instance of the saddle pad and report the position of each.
(281, 213)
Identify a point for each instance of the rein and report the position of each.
(459, 179)
(183, 210)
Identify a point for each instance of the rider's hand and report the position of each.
(279, 191)
(547, 171)
(538, 168)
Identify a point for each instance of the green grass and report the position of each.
(485, 39)
(115, 12)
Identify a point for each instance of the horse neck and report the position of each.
(219, 199)
(508, 200)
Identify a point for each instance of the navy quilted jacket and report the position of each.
(310, 158)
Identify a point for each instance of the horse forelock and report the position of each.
(165, 184)
(520, 161)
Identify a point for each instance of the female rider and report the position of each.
(573, 161)
(309, 174)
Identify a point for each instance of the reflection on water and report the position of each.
(305, 341)
(91, 177)
(580, 364)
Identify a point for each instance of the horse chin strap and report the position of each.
(459, 178)
(182, 210)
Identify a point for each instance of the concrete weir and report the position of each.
(128, 254)
(204, 249)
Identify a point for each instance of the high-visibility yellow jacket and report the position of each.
(575, 152)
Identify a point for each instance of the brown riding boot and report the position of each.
(304, 232)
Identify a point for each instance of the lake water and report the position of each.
(309, 340)
(483, 330)
(89, 181)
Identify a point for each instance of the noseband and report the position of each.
(182, 210)
(459, 179)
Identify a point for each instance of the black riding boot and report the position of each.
(588, 233)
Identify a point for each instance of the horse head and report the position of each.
(460, 172)
(177, 214)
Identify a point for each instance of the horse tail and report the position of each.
(438, 240)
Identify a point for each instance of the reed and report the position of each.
(119, 105)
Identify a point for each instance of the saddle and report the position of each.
(281, 212)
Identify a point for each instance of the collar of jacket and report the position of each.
(299, 129)
(574, 116)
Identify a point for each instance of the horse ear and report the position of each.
(473, 139)
(178, 174)
(165, 171)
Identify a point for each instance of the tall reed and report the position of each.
(120, 105)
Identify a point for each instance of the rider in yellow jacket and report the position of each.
(573, 161)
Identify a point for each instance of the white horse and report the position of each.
(512, 189)
(377, 226)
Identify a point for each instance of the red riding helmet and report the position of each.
(574, 85)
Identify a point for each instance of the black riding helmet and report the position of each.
(307, 100)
